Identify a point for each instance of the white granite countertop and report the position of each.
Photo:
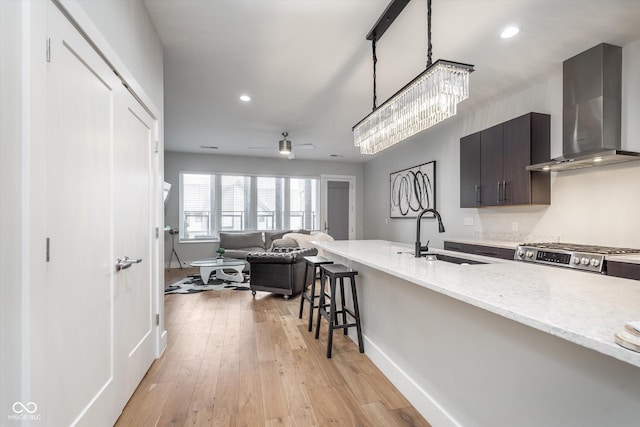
(581, 307)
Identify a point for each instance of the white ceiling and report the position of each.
(308, 68)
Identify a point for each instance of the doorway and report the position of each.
(338, 206)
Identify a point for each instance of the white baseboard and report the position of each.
(424, 403)
(162, 345)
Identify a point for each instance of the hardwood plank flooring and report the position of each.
(235, 360)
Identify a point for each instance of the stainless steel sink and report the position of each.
(449, 258)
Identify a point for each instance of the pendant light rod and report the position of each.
(429, 47)
(386, 19)
(375, 61)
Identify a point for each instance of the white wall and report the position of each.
(593, 206)
(11, 245)
(127, 27)
(188, 162)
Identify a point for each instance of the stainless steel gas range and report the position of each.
(579, 257)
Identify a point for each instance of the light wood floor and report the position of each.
(233, 360)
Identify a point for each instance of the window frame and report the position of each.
(251, 205)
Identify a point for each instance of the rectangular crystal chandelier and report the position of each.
(428, 99)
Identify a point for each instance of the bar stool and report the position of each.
(333, 272)
(314, 262)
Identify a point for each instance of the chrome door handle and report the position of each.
(504, 191)
(122, 264)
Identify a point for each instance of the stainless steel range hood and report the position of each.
(591, 131)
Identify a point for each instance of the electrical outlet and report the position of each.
(514, 226)
(468, 220)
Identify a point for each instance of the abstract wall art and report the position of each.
(412, 190)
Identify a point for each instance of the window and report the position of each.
(303, 201)
(269, 203)
(233, 202)
(211, 203)
(197, 195)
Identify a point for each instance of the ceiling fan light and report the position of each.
(284, 146)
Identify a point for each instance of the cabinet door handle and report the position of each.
(499, 193)
(477, 190)
(504, 191)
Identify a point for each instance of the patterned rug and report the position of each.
(193, 284)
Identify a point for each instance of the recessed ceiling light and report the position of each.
(209, 147)
(597, 159)
(509, 32)
(245, 98)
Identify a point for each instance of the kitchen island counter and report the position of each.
(582, 308)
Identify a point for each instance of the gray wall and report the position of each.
(593, 206)
(174, 163)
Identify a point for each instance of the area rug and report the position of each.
(193, 285)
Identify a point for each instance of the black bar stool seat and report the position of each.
(310, 294)
(333, 272)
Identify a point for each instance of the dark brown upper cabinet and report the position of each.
(493, 164)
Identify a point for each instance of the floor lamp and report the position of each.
(173, 232)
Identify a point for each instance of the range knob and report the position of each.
(576, 260)
(520, 253)
(529, 254)
(595, 262)
(584, 261)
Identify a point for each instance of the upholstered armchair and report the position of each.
(280, 272)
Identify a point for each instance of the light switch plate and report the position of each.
(468, 220)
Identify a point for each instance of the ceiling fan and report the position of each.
(286, 147)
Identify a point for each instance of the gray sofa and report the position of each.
(238, 244)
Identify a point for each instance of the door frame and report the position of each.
(324, 182)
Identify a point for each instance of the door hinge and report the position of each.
(48, 49)
(157, 232)
(157, 319)
(48, 252)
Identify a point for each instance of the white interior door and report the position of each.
(133, 156)
(99, 207)
(79, 274)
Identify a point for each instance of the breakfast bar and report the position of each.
(498, 342)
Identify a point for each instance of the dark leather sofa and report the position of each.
(280, 272)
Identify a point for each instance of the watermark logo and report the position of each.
(24, 411)
(19, 407)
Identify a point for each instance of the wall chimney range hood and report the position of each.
(591, 131)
